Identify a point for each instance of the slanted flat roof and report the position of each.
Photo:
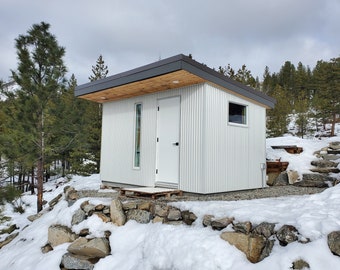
(170, 73)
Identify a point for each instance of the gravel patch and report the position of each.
(268, 192)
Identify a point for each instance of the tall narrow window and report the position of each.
(138, 116)
(237, 113)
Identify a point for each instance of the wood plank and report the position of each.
(150, 192)
(164, 82)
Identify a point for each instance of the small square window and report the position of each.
(237, 113)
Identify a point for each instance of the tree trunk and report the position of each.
(32, 181)
(40, 178)
(333, 125)
(40, 172)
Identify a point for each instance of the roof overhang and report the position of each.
(174, 72)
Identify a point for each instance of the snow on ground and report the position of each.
(158, 246)
(297, 162)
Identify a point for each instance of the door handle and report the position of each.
(175, 143)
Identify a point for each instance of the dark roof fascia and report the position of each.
(219, 79)
(172, 64)
(141, 73)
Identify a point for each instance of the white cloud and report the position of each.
(129, 34)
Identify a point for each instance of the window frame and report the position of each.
(137, 127)
(244, 117)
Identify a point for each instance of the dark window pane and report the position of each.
(237, 113)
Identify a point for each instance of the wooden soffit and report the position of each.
(159, 83)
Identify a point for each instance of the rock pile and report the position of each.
(322, 169)
(84, 251)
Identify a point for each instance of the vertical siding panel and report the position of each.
(191, 139)
(118, 135)
(232, 153)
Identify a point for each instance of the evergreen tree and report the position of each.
(227, 71)
(244, 76)
(327, 90)
(40, 75)
(94, 112)
(277, 119)
(286, 79)
(100, 70)
(267, 84)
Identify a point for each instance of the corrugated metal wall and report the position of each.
(214, 155)
(233, 153)
(118, 139)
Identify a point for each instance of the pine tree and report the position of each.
(100, 70)
(40, 75)
(326, 77)
(277, 119)
(244, 76)
(94, 112)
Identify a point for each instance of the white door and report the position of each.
(168, 129)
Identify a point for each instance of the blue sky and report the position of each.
(129, 34)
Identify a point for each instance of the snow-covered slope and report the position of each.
(157, 246)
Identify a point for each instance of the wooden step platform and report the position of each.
(276, 166)
(150, 192)
(291, 149)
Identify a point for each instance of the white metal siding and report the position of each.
(232, 153)
(214, 155)
(118, 135)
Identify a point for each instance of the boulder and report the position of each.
(128, 205)
(54, 201)
(300, 264)
(324, 163)
(93, 248)
(293, 176)
(255, 247)
(334, 242)
(265, 228)
(116, 212)
(144, 206)
(72, 195)
(325, 170)
(71, 261)
(84, 232)
(78, 217)
(141, 216)
(9, 230)
(102, 216)
(59, 234)
(158, 219)
(99, 207)
(221, 223)
(281, 180)
(34, 217)
(47, 248)
(8, 239)
(188, 217)
(89, 209)
(207, 219)
(287, 234)
(314, 180)
(243, 227)
(174, 214)
(330, 157)
(271, 176)
(161, 210)
(334, 145)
